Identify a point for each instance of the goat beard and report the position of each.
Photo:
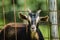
(34, 36)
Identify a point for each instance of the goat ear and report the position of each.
(23, 16)
(46, 18)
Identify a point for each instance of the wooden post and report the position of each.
(53, 19)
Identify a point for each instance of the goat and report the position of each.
(33, 32)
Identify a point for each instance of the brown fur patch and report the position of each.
(16, 25)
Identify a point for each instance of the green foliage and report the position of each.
(58, 4)
(34, 5)
(20, 5)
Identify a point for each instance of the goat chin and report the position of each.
(34, 35)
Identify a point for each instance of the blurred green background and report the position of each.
(22, 5)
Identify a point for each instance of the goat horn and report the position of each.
(29, 10)
(38, 11)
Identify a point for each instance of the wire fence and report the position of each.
(14, 9)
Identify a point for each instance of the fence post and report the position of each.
(53, 19)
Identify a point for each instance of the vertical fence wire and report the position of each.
(58, 11)
(25, 10)
(15, 20)
(57, 18)
(24, 5)
(3, 15)
(48, 22)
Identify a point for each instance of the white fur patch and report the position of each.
(33, 28)
(37, 19)
(29, 18)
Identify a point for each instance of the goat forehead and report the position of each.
(33, 18)
(33, 25)
(32, 15)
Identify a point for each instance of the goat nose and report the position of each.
(32, 27)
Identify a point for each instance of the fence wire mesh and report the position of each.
(48, 30)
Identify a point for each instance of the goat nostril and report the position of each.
(32, 28)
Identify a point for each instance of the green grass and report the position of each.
(45, 31)
(59, 31)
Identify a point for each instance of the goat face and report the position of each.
(33, 19)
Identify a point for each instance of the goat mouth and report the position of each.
(33, 30)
